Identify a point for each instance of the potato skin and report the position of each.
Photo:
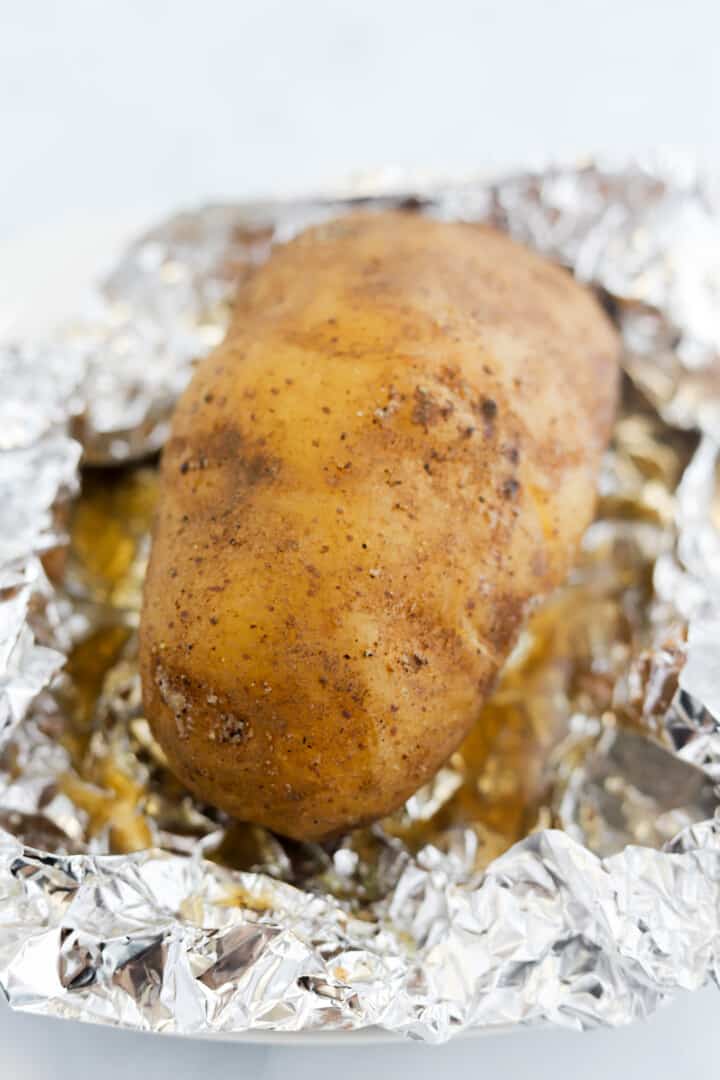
(390, 456)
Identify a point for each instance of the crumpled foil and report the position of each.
(121, 900)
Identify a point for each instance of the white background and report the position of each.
(112, 111)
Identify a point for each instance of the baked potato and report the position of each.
(392, 456)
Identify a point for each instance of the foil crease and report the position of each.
(38, 474)
(551, 931)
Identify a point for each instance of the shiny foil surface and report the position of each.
(563, 867)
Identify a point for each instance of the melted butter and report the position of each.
(243, 847)
(110, 536)
(114, 804)
(247, 899)
(86, 669)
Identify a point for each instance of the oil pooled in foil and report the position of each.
(573, 694)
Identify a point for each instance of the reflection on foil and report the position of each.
(563, 866)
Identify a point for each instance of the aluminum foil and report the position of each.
(120, 898)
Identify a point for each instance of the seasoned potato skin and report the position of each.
(392, 454)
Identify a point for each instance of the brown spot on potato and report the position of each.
(507, 610)
(231, 728)
(487, 408)
(228, 447)
(427, 410)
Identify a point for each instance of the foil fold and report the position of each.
(596, 924)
